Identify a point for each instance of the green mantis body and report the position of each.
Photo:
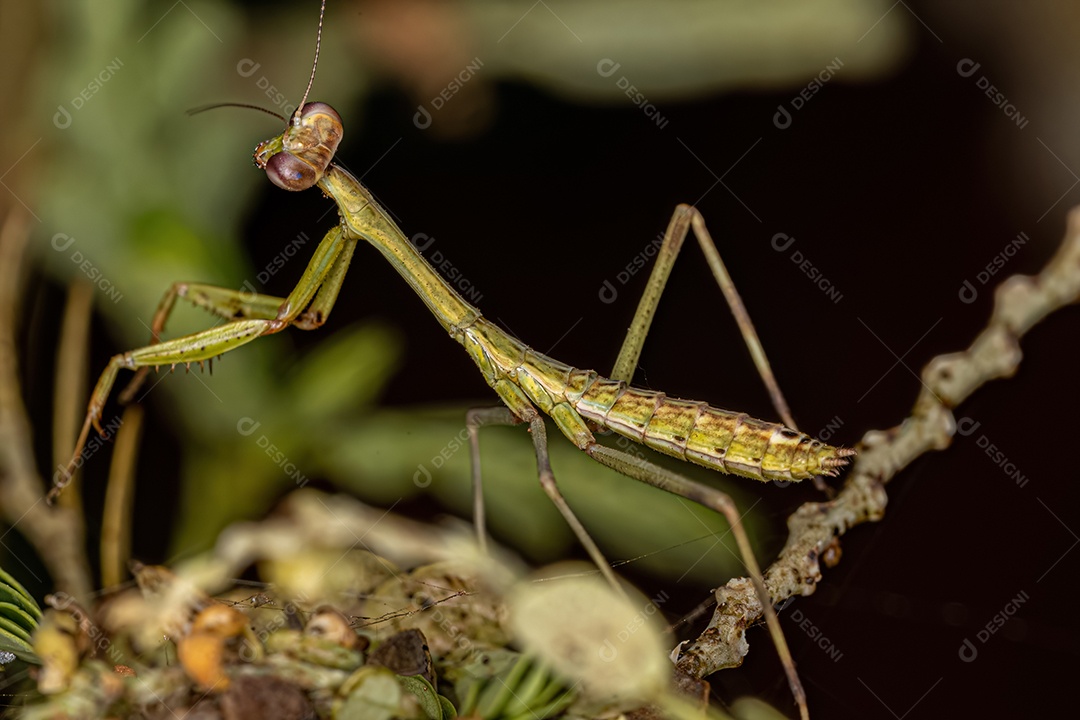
(580, 402)
(577, 400)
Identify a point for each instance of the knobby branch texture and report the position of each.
(1019, 303)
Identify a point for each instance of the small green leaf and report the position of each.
(498, 692)
(17, 615)
(373, 694)
(18, 647)
(449, 712)
(13, 628)
(11, 591)
(421, 688)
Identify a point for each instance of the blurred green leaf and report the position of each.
(373, 693)
(421, 689)
(343, 374)
(19, 617)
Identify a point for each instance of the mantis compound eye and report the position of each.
(289, 172)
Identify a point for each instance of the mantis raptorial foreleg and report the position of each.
(234, 305)
(223, 302)
(317, 290)
(684, 217)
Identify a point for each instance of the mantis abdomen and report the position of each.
(580, 401)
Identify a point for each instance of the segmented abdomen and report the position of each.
(730, 442)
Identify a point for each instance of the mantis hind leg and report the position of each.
(195, 348)
(685, 218)
(652, 474)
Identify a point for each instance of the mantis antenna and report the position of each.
(314, 66)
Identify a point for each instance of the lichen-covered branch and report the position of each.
(1019, 303)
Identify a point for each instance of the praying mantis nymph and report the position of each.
(530, 384)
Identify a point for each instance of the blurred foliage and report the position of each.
(19, 616)
(466, 637)
(150, 196)
(688, 47)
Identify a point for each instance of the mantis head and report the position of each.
(300, 156)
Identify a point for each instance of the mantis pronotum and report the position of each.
(530, 384)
